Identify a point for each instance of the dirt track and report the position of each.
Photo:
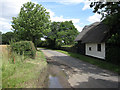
(82, 74)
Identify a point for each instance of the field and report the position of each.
(23, 74)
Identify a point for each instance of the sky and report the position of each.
(60, 10)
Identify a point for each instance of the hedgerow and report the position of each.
(26, 48)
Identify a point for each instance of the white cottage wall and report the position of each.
(94, 52)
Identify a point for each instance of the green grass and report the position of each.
(67, 46)
(22, 74)
(94, 61)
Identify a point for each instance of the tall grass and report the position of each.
(23, 72)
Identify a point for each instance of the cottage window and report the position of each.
(89, 48)
(98, 47)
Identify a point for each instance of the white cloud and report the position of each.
(95, 18)
(9, 9)
(4, 25)
(61, 1)
(86, 5)
(78, 28)
(71, 1)
(67, 2)
(75, 21)
(61, 18)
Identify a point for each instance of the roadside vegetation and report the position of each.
(21, 63)
(24, 71)
(67, 45)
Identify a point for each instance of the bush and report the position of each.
(113, 54)
(26, 48)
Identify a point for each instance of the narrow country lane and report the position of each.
(82, 74)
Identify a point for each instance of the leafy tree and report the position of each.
(110, 12)
(6, 37)
(61, 33)
(32, 22)
(68, 32)
(52, 37)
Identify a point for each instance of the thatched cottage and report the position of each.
(92, 40)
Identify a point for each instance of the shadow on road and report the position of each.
(94, 77)
(83, 74)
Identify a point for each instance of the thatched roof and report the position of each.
(94, 33)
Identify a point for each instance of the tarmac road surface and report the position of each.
(82, 74)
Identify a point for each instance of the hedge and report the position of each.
(113, 54)
(24, 47)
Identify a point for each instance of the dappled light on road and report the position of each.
(82, 74)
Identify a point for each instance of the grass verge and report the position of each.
(22, 74)
(94, 61)
(67, 45)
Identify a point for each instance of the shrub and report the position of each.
(113, 54)
(26, 48)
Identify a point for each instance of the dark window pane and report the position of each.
(99, 47)
(89, 48)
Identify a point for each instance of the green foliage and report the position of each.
(62, 33)
(110, 12)
(23, 48)
(106, 8)
(16, 58)
(32, 23)
(7, 37)
(113, 54)
(114, 39)
(43, 44)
